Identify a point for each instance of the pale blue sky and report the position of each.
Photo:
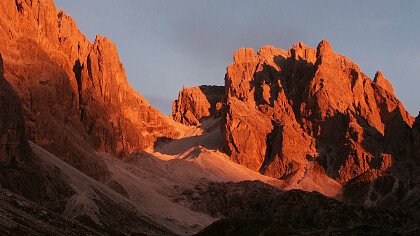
(167, 44)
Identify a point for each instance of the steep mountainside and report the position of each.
(197, 103)
(50, 197)
(22, 217)
(311, 118)
(14, 148)
(18, 170)
(82, 153)
(15, 152)
(309, 105)
(75, 94)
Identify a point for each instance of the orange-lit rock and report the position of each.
(383, 83)
(196, 103)
(75, 94)
(259, 123)
(287, 109)
(117, 118)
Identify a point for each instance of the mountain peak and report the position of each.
(291, 107)
(301, 51)
(324, 49)
(244, 55)
(383, 82)
(74, 85)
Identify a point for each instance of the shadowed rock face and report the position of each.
(15, 152)
(14, 149)
(397, 189)
(416, 139)
(196, 103)
(18, 170)
(74, 93)
(285, 109)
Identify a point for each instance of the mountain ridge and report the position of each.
(48, 59)
(311, 114)
(78, 142)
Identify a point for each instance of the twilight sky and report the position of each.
(167, 44)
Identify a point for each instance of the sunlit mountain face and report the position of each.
(295, 140)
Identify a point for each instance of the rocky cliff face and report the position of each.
(196, 103)
(18, 170)
(75, 95)
(14, 149)
(285, 109)
(115, 116)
